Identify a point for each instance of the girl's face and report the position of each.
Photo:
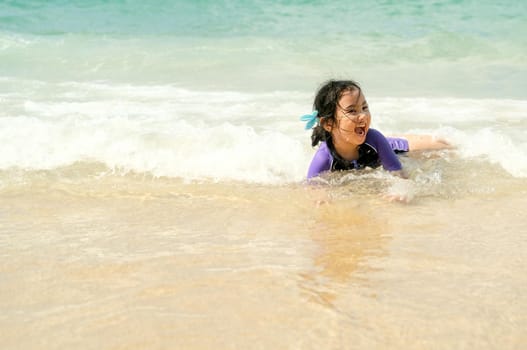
(353, 118)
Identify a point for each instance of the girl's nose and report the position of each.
(361, 117)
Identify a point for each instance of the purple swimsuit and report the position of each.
(375, 151)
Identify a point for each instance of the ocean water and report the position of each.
(152, 172)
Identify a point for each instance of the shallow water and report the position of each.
(135, 262)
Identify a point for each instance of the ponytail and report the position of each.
(319, 134)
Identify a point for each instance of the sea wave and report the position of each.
(230, 135)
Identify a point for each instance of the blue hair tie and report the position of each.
(310, 119)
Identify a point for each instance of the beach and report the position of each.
(152, 177)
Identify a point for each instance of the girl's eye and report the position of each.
(365, 108)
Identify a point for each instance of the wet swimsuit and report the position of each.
(375, 151)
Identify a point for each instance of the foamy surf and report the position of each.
(170, 131)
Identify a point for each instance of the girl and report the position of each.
(342, 126)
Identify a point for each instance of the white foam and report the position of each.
(181, 149)
(494, 129)
(170, 131)
(11, 40)
(163, 130)
(447, 111)
(496, 146)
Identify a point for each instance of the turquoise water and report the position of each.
(377, 19)
(411, 48)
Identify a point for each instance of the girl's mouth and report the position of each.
(361, 131)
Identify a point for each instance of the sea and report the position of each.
(153, 164)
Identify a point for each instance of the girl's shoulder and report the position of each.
(374, 136)
(374, 133)
(323, 151)
(321, 161)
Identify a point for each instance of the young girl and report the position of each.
(342, 126)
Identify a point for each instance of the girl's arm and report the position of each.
(387, 156)
(426, 142)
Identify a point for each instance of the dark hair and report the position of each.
(326, 102)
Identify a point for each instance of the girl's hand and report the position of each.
(402, 191)
(401, 198)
